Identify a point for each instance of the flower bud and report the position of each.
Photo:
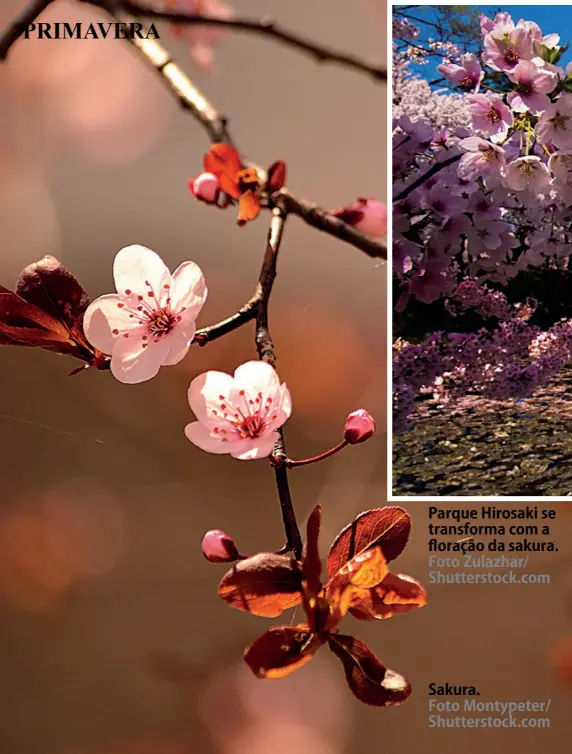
(218, 547)
(367, 215)
(205, 187)
(360, 426)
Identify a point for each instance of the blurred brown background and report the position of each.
(112, 637)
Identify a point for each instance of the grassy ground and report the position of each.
(490, 448)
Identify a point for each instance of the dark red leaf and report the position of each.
(359, 575)
(276, 176)
(396, 594)
(280, 651)
(22, 323)
(368, 678)
(265, 584)
(51, 287)
(387, 528)
(311, 563)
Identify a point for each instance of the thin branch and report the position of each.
(425, 177)
(288, 516)
(215, 124)
(265, 27)
(323, 220)
(245, 314)
(266, 281)
(266, 353)
(18, 25)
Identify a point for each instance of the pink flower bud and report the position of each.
(205, 187)
(367, 215)
(360, 426)
(218, 547)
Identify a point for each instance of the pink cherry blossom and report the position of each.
(482, 159)
(442, 201)
(532, 87)
(367, 215)
(560, 164)
(527, 173)
(150, 321)
(555, 123)
(468, 75)
(205, 187)
(239, 415)
(490, 115)
(502, 22)
(201, 39)
(505, 49)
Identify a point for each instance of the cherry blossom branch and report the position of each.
(265, 27)
(194, 101)
(425, 177)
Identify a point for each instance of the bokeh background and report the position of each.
(112, 637)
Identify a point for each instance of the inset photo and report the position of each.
(482, 238)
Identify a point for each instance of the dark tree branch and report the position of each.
(245, 314)
(323, 220)
(425, 177)
(215, 124)
(266, 353)
(265, 28)
(18, 25)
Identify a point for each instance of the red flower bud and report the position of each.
(218, 547)
(360, 426)
(205, 187)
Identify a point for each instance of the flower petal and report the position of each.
(201, 436)
(284, 408)
(137, 268)
(251, 449)
(257, 377)
(188, 288)
(131, 362)
(104, 315)
(179, 343)
(204, 395)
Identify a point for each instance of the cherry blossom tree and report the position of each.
(477, 204)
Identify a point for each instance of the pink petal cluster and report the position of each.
(467, 76)
(239, 415)
(532, 87)
(150, 321)
(527, 173)
(482, 159)
(505, 49)
(490, 115)
(555, 123)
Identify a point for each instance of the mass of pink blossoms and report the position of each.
(478, 202)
